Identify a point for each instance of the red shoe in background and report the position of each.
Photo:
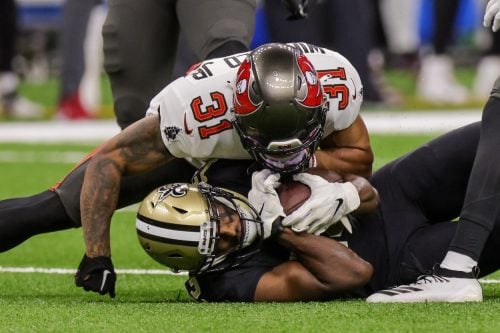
(71, 108)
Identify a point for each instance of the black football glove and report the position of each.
(96, 274)
(297, 8)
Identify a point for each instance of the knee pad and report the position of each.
(228, 48)
(129, 109)
(230, 34)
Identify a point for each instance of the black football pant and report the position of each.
(140, 43)
(59, 208)
(8, 26)
(427, 245)
(418, 190)
(424, 192)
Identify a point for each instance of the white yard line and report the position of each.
(96, 131)
(30, 156)
(88, 131)
(416, 122)
(47, 270)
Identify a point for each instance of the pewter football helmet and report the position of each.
(279, 108)
(178, 226)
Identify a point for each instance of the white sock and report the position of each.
(458, 262)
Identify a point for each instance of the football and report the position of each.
(293, 194)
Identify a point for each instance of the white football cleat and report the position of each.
(488, 70)
(22, 108)
(13, 105)
(442, 285)
(437, 83)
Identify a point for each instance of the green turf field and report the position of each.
(41, 302)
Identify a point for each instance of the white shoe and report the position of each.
(13, 105)
(442, 285)
(22, 108)
(436, 81)
(488, 70)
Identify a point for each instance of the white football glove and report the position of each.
(327, 205)
(492, 15)
(264, 198)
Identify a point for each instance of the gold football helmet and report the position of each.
(178, 226)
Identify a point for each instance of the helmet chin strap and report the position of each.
(282, 163)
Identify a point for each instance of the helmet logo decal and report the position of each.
(242, 103)
(174, 190)
(314, 96)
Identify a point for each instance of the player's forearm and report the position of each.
(332, 264)
(347, 160)
(97, 203)
(368, 195)
(137, 149)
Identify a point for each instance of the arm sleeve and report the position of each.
(237, 284)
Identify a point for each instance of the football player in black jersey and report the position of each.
(456, 176)
(421, 194)
(218, 237)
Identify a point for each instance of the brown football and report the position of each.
(292, 194)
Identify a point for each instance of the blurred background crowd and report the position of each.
(411, 54)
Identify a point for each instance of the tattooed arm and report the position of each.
(137, 149)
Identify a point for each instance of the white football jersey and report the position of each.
(195, 110)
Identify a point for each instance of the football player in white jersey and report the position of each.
(326, 85)
(276, 105)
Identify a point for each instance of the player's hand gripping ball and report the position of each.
(327, 202)
(293, 193)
